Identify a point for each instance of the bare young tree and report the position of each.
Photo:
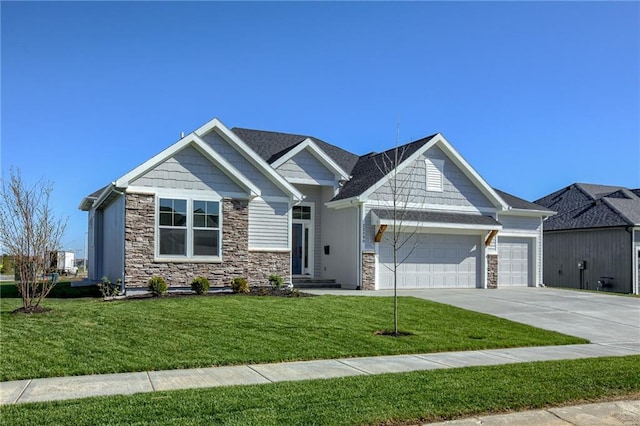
(401, 190)
(29, 232)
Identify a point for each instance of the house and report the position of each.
(223, 203)
(594, 241)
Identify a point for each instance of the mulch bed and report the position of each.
(253, 292)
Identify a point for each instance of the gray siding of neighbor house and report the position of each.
(305, 166)
(268, 224)
(189, 169)
(244, 166)
(606, 251)
(113, 240)
(458, 190)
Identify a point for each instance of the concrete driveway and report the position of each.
(602, 318)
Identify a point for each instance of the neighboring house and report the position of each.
(224, 203)
(594, 241)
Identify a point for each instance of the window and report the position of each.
(301, 212)
(434, 171)
(188, 228)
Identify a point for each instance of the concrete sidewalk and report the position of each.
(606, 413)
(61, 388)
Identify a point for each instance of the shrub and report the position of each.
(109, 289)
(200, 285)
(276, 280)
(157, 286)
(240, 285)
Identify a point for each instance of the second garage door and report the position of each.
(434, 261)
(514, 261)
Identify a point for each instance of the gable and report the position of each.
(435, 180)
(188, 169)
(304, 167)
(244, 166)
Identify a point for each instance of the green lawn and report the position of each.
(86, 336)
(407, 398)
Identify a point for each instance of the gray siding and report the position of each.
(305, 166)
(229, 153)
(458, 190)
(268, 224)
(368, 232)
(113, 240)
(189, 169)
(341, 235)
(607, 253)
(519, 224)
(95, 245)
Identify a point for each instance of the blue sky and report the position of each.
(535, 95)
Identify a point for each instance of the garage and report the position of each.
(432, 261)
(514, 261)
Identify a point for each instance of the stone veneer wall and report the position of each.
(492, 271)
(261, 264)
(236, 259)
(368, 270)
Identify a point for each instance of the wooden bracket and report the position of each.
(492, 234)
(380, 233)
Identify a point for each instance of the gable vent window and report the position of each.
(188, 229)
(435, 170)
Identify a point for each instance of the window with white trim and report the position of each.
(188, 228)
(434, 174)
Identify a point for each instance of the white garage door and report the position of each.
(437, 261)
(514, 261)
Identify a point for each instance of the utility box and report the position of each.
(582, 264)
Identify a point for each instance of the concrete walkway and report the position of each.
(606, 413)
(611, 323)
(61, 388)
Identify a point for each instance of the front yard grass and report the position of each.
(408, 398)
(88, 336)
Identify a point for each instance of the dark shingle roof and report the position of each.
(582, 206)
(370, 168)
(518, 203)
(437, 217)
(273, 145)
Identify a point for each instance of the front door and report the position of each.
(300, 256)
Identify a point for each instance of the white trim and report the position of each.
(304, 181)
(457, 159)
(249, 154)
(311, 249)
(526, 212)
(270, 250)
(276, 199)
(189, 228)
(635, 251)
(191, 140)
(437, 207)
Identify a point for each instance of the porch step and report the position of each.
(314, 283)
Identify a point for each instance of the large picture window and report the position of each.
(188, 228)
